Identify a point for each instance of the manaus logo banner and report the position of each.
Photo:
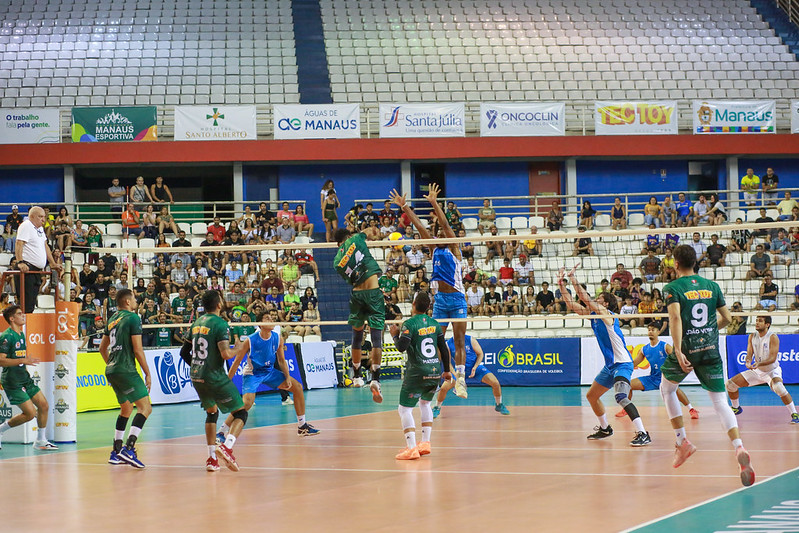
(114, 124)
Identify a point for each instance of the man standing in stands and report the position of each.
(116, 196)
(33, 253)
(750, 183)
(12, 225)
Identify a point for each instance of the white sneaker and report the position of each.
(460, 385)
(288, 401)
(377, 395)
(44, 445)
(357, 382)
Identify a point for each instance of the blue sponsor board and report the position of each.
(533, 362)
(291, 359)
(788, 358)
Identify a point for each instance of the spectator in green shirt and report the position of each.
(388, 285)
(289, 298)
(290, 272)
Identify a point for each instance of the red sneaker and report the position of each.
(226, 455)
(212, 465)
(424, 448)
(747, 473)
(408, 454)
(694, 413)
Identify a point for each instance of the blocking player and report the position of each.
(17, 382)
(450, 301)
(266, 364)
(618, 362)
(475, 369)
(655, 352)
(121, 348)
(693, 302)
(354, 262)
(423, 339)
(206, 352)
(762, 363)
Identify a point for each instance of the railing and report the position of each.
(791, 7)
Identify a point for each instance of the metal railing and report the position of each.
(791, 8)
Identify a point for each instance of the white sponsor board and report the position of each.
(422, 120)
(523, 119)
(656, 117)
(319, 364)
(591, 360)
(734, 116)
(215, 123)
(170, 375)
(321, 121)
(795, 116)
(31, 125)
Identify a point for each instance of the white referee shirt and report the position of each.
(34, 251)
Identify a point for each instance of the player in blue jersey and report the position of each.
(266, 364)
(475, 369)
(618, 367)
(450, 300)
(655, 353)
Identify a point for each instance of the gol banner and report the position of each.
(66, 321)
(40, 336)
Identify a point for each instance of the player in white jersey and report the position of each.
(762, 363)
(450, 300)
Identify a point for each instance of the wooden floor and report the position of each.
(531, 471)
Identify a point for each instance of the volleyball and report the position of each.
(396, 236)
(347, 381)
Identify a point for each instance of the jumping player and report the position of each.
(618, 362)
(423, 339)
(450, 301)
(763, 366)
(17, 382)
(655, 352)
(475, 370)
(693, 302)
(354, 262)
(207, 350)
(266, 364)
(120, 348)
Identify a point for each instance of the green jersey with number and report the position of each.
(163, 337)
(207, 364)
(12, 344)
(354, 261)
(698, 298)
(121, 357)
(423, 358)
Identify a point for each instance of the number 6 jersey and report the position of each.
(698, 298)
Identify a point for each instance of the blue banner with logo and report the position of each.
(788, 358)
(533, 362)
(291, 359)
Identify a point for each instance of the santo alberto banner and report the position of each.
(114, 124)
(533, 362)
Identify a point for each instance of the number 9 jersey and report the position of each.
(698, 298)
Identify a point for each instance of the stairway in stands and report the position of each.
(778, 19)
(334, 296)
(313, 77)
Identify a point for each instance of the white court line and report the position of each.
(502, 430)
(710, 500)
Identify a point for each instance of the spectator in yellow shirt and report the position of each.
(750, 184)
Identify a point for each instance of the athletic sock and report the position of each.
(736, 403)
(689, 406)
(410, 439)
(225, 429)
(460, 369)
(135, 429)
(680, 434)
(791, 408)
(300, 420)
(639, 425)
(119, 430)
(375, 372)
(230, 441)
(40, 436)
(212, 451)
(603, 421)
(356, 370)
(498, 399)
(4, 427)
(426, 431)
(737, 443)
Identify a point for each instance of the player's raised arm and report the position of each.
(449, 233)
(567, 297)
(400, 201)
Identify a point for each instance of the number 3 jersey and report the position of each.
(121, 357)
(207, 364)
(423, 358)
(698, 298)
(354, 262)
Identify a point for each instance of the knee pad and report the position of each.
(406, 417)
(731, 386)
(211, 418)
(427, 411)
(622, 391)
(357, 339)
(778, 387)
(241, 414)
(376, 335)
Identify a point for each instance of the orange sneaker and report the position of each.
(424, 448)
(377, 396)
(682, 452)
(621, 414)
(747, 473)
(408, 454)
(694, 413)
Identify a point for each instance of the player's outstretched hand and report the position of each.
(148, 382)
(432, 193)
(394, 330)
(32, 361)
(474, 369)
(574, 269)
(561, 274)
(447, 376)
(284, 386)
(396, 198)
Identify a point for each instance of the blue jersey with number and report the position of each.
(263, 352)
(611, 341)
(447, 268)
(656, 355)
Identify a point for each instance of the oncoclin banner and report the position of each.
(215, 123)
(636, 118)
(422, 120)
(734, 116)
(29, 125)
(522, 120)
(320, 121)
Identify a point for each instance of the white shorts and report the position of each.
(750, 196)
(756, 377)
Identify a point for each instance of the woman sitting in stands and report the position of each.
(618, 215)
(555, 217)
(302, 222)
(587, 214)
(652, 212)
(249, 233)
(311, 315)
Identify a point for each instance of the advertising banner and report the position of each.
(323, 121)
(22, 434)
(795, 116)
(788, 358)
(318, 364)
(219, 123)
(734, 116)
(422, 120)
(522, 120)
(114, 124)
(657, 117)
(530, 362)
(40, 336)
(30, 125)
(171, 377)
(92, 389)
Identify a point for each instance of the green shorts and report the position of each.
(330, 216)
(128, 386)
(368, 306)
(709, 370)
(21, 393)
(225, 395)
(413, 390)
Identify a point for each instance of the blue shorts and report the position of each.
(449, 305)
(609, 374)
(251, 382)
(651, 382)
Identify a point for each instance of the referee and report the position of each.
(33, 253)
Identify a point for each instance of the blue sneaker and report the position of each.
(220, 438)
(436, 411)
(794, 418)
(501, 409)
(114, 459)
(737, 410)
(307, 430)
(129, 456)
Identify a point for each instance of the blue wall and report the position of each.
(258, 179)
(786, 169)
(489, 180)
(32, 185)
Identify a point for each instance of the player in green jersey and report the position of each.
(121, 348)
(693, 303)
(19, 387)
(206, 353)
(354, 262)
(423, 339)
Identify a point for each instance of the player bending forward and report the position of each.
(266, 364)
(475, 369)
(762, 355)
(206, 352)
(423, 339)
(692, 303)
